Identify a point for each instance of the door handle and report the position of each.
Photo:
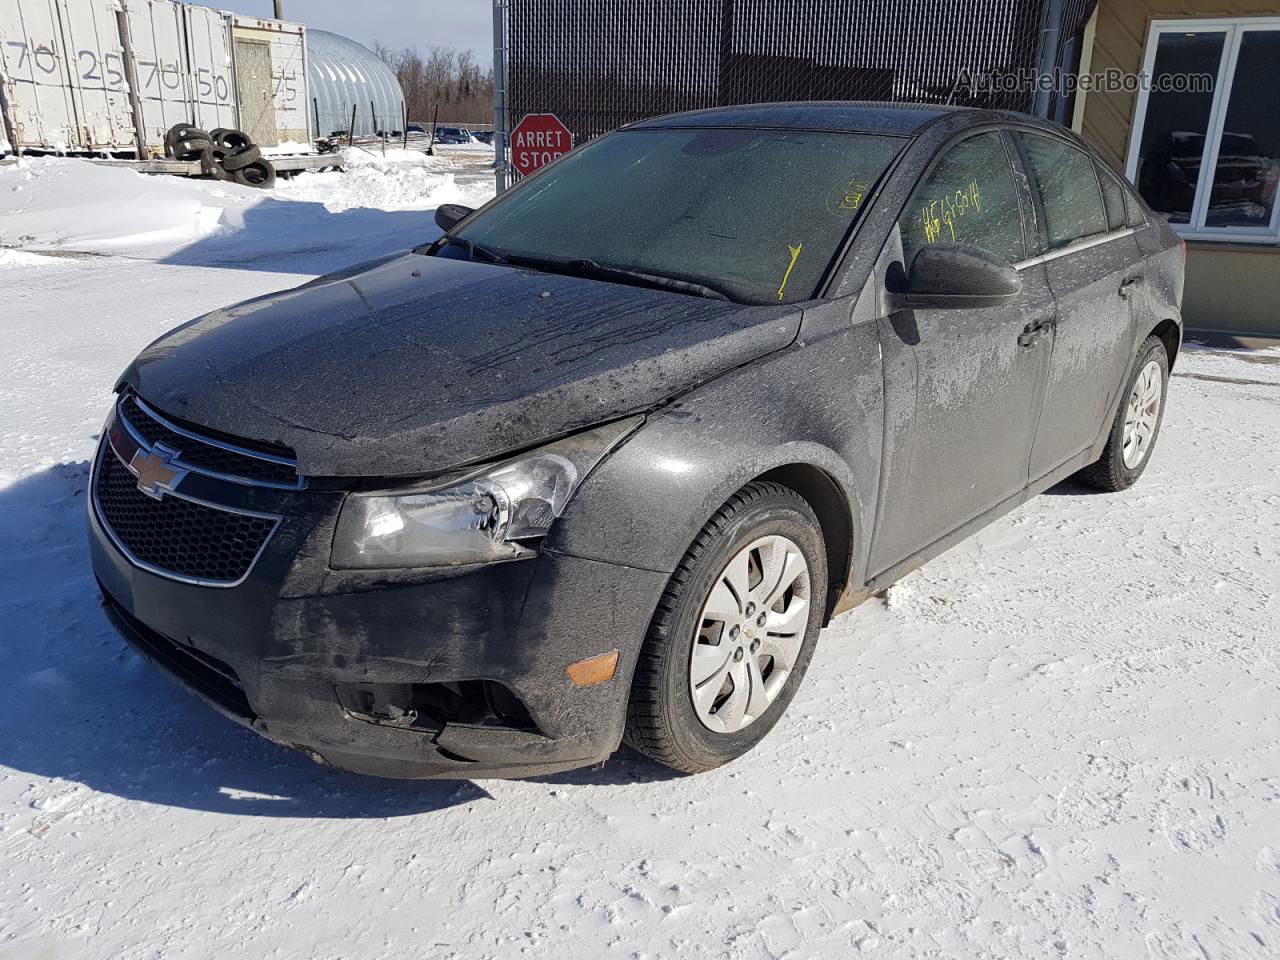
(1128, 283)
(1032, 333)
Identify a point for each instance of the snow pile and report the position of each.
(72, 204)
(20, 260)
(75, 205)
(402, 180)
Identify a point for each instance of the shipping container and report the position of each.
(67, 86)
(271, 71)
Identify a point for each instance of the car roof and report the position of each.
(845, 116)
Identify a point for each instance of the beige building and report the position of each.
(1200, 139)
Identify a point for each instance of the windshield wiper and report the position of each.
(473, 248)
(585, 267)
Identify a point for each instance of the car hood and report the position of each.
(418, 364)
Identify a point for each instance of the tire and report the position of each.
(229, 139)
(1118, 469)
(663, 720)
(211, 163)
(180, 132)
(260, 174)
(242, 157)
(189, 150)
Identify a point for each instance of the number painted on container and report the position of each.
(115, 74)
(92, 73)
(45, 59)
(286, 83)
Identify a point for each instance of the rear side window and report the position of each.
(1112, 199)
(969, 197)
(1133, 209)
(1068, 187)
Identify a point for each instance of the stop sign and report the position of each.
(537, 140)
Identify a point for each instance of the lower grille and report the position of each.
(207, 675)
(177, 537)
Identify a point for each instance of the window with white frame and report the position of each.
(1206, 153)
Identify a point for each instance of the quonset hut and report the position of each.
(345, 76)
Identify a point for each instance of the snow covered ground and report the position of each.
(1058, 740)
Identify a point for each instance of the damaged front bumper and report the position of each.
(409, 674)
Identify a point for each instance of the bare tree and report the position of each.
(444, 77)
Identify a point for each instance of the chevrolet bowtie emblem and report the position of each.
(153, 472)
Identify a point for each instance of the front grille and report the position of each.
(208, 455)
(207, 675)
(174, 536)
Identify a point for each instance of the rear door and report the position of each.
(1093, 266)
(959, 445)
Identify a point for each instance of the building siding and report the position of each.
(1230, 287)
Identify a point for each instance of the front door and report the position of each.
(959, 443)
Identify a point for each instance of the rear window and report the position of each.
(757, 214)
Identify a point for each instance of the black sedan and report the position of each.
(601, 462)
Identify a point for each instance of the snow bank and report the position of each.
(66, 204)
(20, 260)
(76, 205)
(402, 180)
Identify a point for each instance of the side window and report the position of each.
(1112, 199)
(969, 197)
(1068, 189)
(1135, 218)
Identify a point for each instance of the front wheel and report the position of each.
(733, 633)
(1137, 423)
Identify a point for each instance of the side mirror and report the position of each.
(449, 215)
(957, 275)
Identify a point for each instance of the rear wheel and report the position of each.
(733, 634)
(1137, 423)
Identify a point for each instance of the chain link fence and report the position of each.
(600, 64)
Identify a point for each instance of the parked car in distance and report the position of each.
(484, 136)
(452, 135)
(601, 461)
(416, 130)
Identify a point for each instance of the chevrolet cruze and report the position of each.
(600, 462)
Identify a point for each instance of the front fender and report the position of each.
(817, 404)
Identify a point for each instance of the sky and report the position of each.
(465, 24)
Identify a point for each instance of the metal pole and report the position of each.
(1050, 42)
(404, 124)
(501, 129)
(10, 132)
(351, 130)
(315, 109)
(279, 9)
(131, 78)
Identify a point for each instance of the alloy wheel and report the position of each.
(1142, 414)
(750, 633)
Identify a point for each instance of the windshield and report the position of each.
(755, 214)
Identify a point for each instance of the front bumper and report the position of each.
(273, 652)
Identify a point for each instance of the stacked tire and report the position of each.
(223, 154)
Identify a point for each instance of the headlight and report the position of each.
(476, 518)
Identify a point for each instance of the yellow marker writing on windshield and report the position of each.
(795, 255)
